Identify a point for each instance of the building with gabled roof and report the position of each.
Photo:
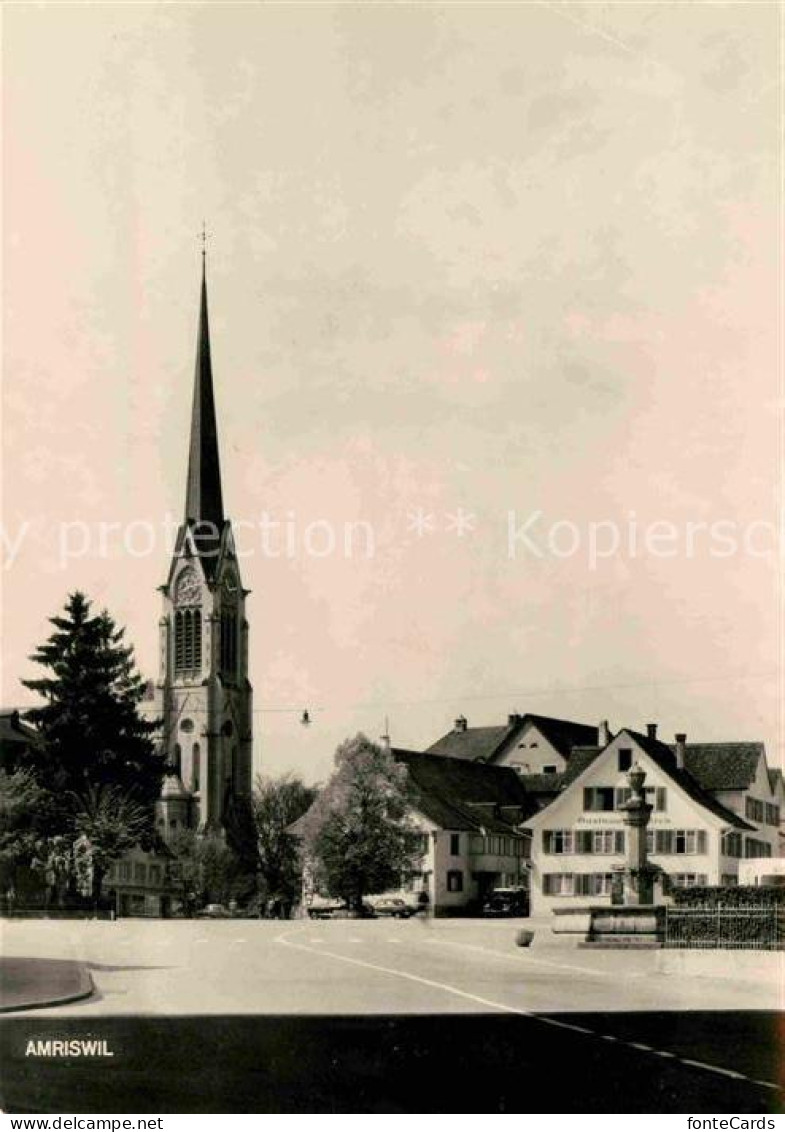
(17, 738)
(713, 805)
(530, 744)
(471, 816)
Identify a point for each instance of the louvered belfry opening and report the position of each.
(187, 640)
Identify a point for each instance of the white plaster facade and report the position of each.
(579, 837)
(459, 867)
(531, 752)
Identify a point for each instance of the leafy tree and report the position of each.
(108, 823)
(207, 870)
(277, 802)
(22, 803)
(92, 734)
(358, 832)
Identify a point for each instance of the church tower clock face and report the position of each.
(188, 591)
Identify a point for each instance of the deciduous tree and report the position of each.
(359, 832)
(277, 803)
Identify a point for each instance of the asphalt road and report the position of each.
(249, 1016)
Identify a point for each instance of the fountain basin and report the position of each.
(612, 925)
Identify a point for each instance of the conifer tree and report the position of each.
(92, 734)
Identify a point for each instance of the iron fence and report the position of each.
(760, 929)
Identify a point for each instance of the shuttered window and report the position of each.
(656, 796)
(558, 884)
(598, 799)
(679, 842)
(557, 841)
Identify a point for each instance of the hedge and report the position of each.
(736, 896)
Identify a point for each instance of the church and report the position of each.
(203, 695)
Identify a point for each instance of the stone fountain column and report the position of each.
(638, 875)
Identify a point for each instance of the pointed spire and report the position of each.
(203, 502)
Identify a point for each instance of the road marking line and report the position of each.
(527, 958)
(725, 1072)
(504, 1008)
(565, 1025)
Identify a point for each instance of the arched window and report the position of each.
(196, 769)
(229, 641)
(179, 640)
(187, 639)
(177, 758)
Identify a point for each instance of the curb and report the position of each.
(85, 990)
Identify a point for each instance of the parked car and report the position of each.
(394, 906)
(327, 908)
(214, 912)
(507, 902)
(332, 908)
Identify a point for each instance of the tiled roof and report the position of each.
(565, 734)
(665, 759)
(459, 794)
(13, 729)
(580, 758)
(473, 744)
(538, 784)
(723, 766)
(483, 743)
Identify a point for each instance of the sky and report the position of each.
(498, 282)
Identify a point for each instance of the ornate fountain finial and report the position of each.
(636, 777)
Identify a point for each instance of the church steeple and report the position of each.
(203, 501)
(206, 697)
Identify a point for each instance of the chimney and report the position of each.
(513, 718)
(603, 733)
(461, 723)
(651, 730)
(681, 748)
